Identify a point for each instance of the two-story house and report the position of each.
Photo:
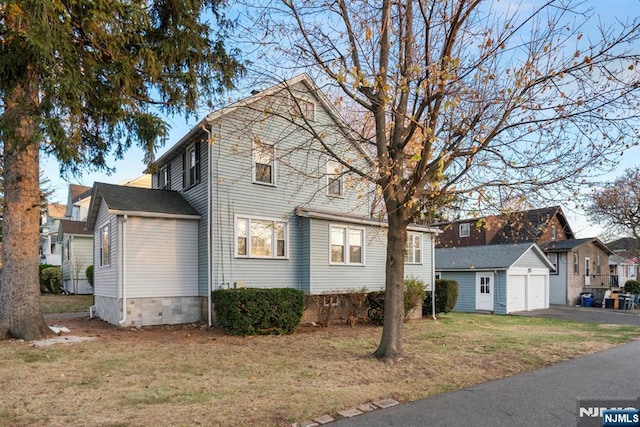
(247, 198)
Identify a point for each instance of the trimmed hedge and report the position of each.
(446, 297)
(250, 311)
(632, 286)
(89, 273)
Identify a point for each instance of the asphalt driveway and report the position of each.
(586, 314)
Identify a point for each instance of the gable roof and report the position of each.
(78, 192)
(493, 257)
(528, 226)
(56, 210)
(135, 201)
(569, 245)
(75, 228)
(248, 101)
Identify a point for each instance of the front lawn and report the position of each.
(194, 376)
(52, 303)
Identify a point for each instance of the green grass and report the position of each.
(51, 303)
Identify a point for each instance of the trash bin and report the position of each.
(625, 302)
(586, 299)
(609, 302)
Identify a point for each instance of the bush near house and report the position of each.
(43, 284)
(414, 294)
(446, 297)
(632, 286)
(348, 306)
(89, 274)
(258, 311)
(51, 277)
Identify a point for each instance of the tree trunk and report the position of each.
(390, 347)
(20, 312)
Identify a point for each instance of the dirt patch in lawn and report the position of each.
(192, 375)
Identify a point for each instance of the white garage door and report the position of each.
(536, 292)
(517, 292)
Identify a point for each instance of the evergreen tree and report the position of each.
(83, 79)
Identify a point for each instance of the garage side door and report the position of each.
(516, 293)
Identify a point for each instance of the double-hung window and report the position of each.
(164, 178)
(464, 229)
(413, 250)
(347, 245)
(191, 166)
(105, 246)
(576, 264)
(261, 238)
(264, 162)
(335, 181)
(304, 108)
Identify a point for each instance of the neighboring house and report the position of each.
(536, 225)
(581, 265)
(77, 255)
(261, 204)
(501, 279)
(50, 247)
(78, 199)
(622, 269)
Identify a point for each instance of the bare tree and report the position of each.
(465, 97)
(616, 205)
(76, 263)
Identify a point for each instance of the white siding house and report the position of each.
(77, 255)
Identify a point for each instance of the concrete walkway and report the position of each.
(544, 397)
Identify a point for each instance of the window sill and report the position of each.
(266, 184)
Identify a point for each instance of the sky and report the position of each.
(132, 165)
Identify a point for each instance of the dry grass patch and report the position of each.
(51, 303)
(189, 376)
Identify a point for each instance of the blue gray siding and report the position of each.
(105, 278)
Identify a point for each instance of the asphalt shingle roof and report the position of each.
(134, 199)
(480, 257)
(74, 227)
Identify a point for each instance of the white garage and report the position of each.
(527, 290)
(500, 279)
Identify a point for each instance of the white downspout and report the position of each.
(433, 277)
(124, 271)
(209, 216)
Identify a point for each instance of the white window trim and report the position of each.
(188, 183)
(420, 240)
(164, 179)
(274, 168)
(346, 229)
(339, 176)
(274, 248)
(468, 229)
(102, 263)
(298, 111)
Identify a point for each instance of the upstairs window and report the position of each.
(264, 155)
(335, 181)
(464, 229)
(413, 250)
(304, 108)
(164, 178)
(191, 166)
(554, 233)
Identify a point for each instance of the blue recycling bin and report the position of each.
(586, 299)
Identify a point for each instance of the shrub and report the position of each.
(250, 311)
(414, 295)
(89, 274)
(375, 307)
(446, 297)
(632, 286)
(348, 305)
(52, 278)
(43, 283)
